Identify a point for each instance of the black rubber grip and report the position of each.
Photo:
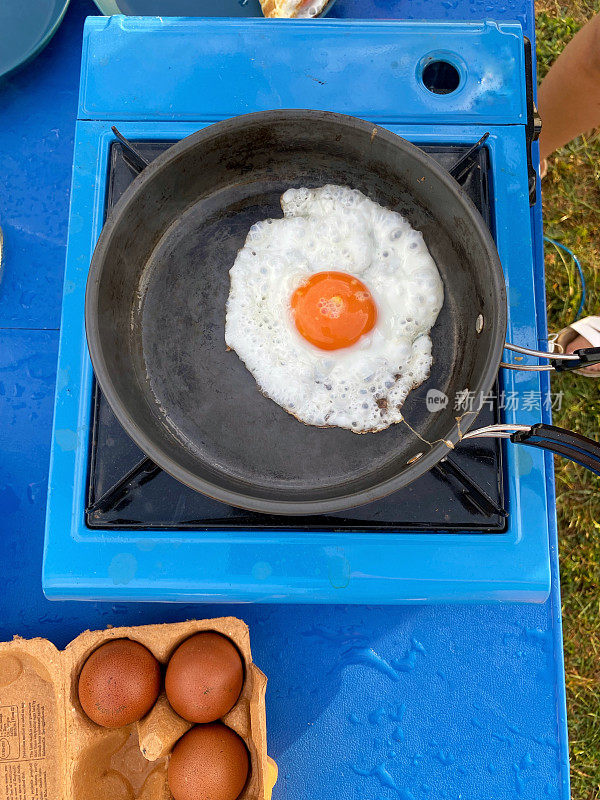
(565, 443)
(590, 355)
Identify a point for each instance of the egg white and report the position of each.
(335, 228)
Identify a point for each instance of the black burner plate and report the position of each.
(125, 490)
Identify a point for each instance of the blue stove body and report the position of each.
(371, 702)
(371, 70)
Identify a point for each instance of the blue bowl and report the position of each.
(26, 28)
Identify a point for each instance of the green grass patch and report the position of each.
(571, 197)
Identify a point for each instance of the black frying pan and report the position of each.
(155, 313)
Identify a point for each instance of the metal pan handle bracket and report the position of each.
(564, 361)
(565, 443)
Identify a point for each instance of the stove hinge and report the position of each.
(534, 123)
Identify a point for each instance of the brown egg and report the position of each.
(204, 677)
(119, 683)
(209, 763)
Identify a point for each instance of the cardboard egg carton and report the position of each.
(50, 750)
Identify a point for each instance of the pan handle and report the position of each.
(565, 443)
(565, 361)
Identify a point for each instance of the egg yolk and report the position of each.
(333, 310)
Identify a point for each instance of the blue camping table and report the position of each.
(375, 703)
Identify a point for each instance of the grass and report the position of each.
(571, 197)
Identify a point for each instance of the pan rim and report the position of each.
(237, 498)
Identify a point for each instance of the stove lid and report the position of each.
(150, 68)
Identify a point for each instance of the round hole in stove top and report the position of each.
(440, 77)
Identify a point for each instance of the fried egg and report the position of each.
(330, 308)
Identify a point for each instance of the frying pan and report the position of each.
(155, 315)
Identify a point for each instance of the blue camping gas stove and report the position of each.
(473, 529)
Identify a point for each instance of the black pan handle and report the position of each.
(565, 443)
(585, 357)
